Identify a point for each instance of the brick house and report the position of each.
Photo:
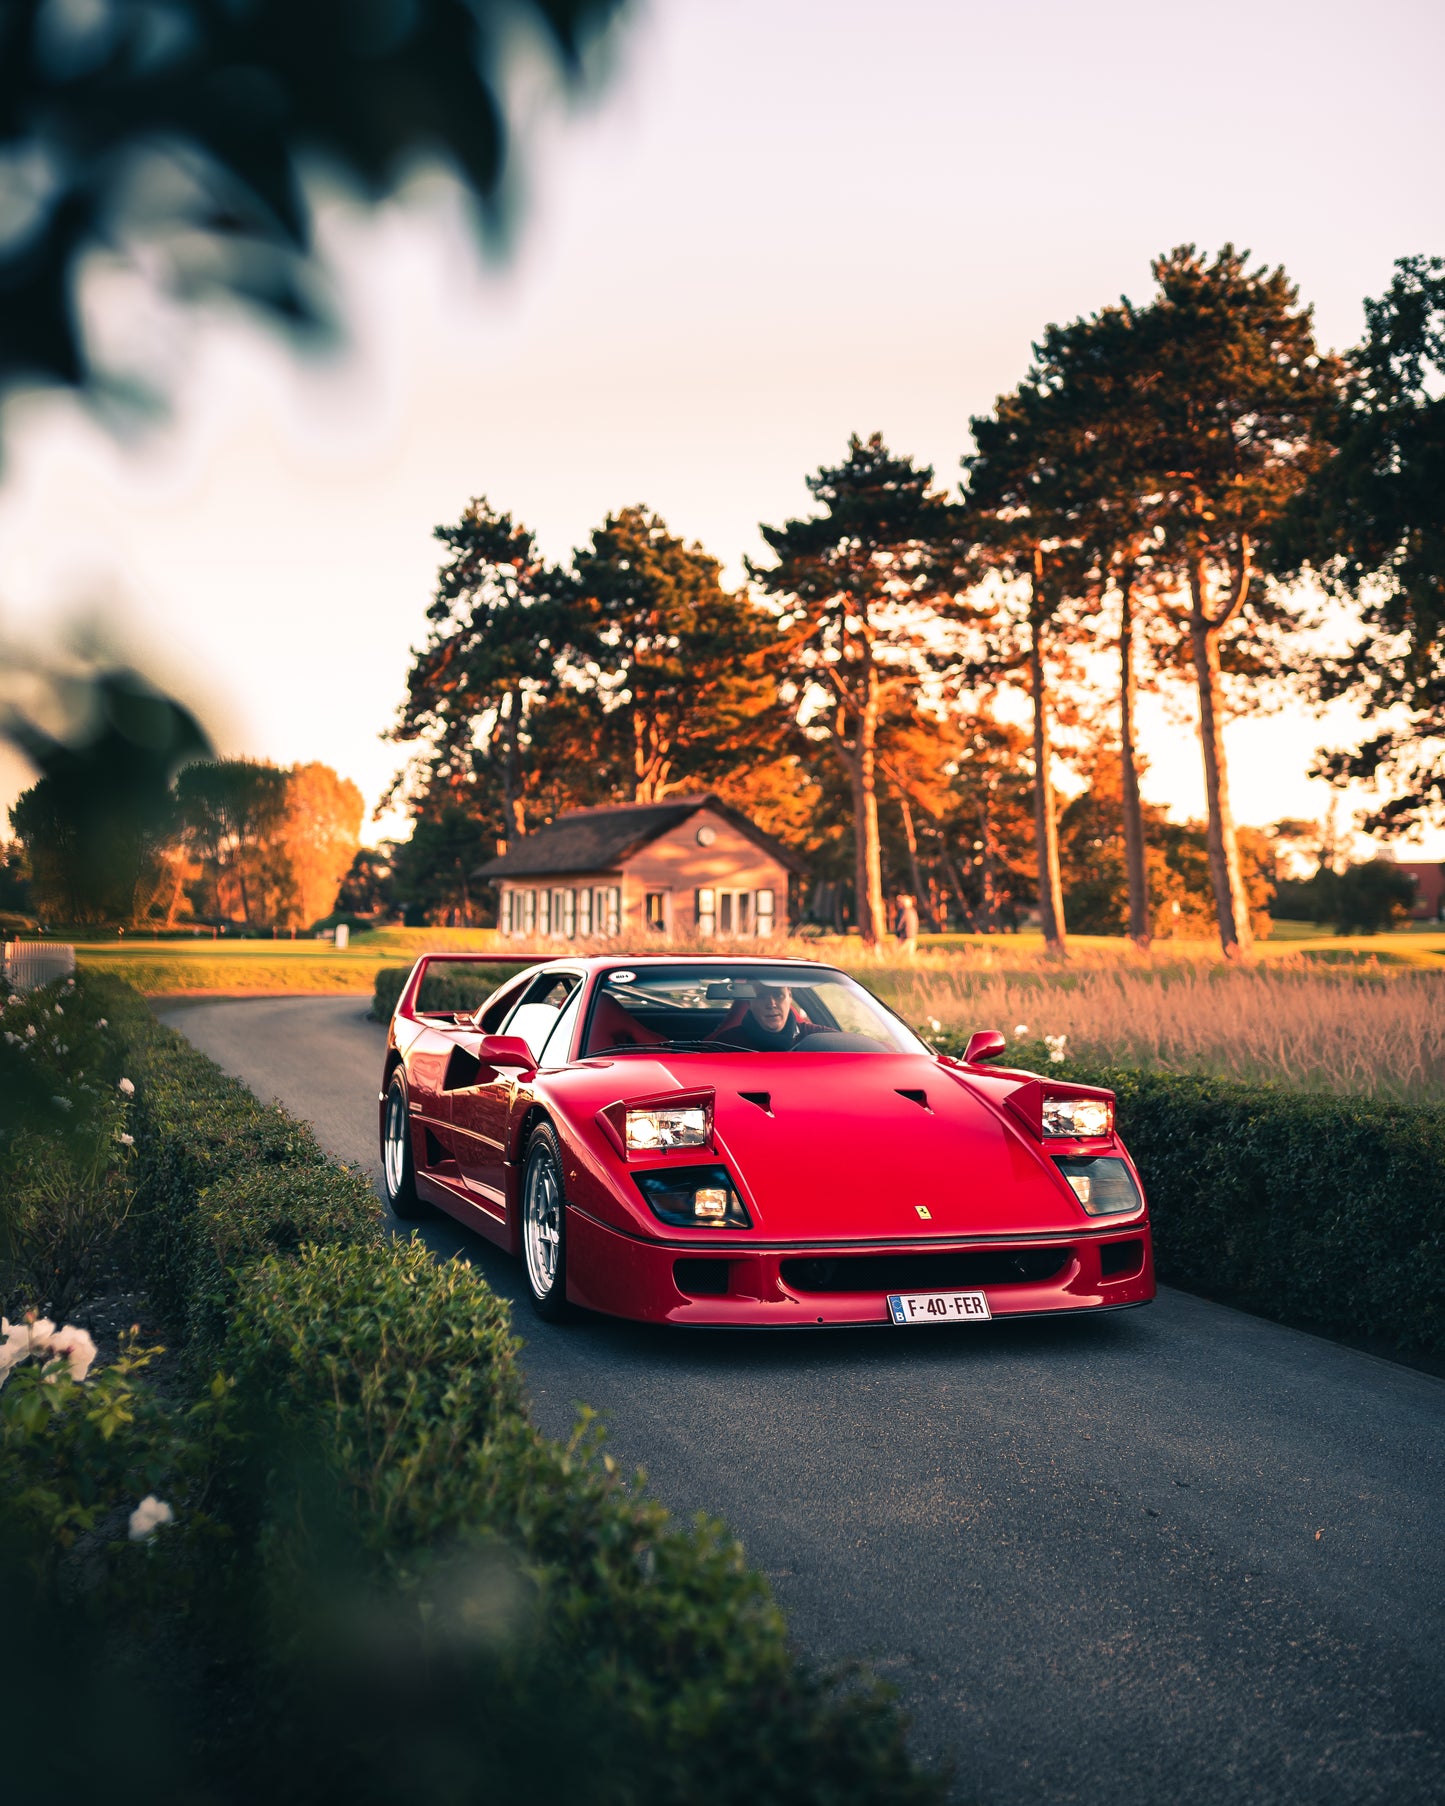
(1429, 882)
(690, 865)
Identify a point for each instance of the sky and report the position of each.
(769, 225)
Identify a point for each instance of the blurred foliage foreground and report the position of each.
(317, 1551)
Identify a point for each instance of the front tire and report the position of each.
(544, 1227)
(397, 1168)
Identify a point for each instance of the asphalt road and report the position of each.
(1176, 1555)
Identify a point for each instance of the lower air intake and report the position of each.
(925, 1272)
(701, 1278)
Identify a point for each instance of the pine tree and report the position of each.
(677, 663)
(1231, 397)
(501, 626)
(1372, 524)
(866, 602)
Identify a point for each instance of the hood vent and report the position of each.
(916, 1097)
(763, 1100)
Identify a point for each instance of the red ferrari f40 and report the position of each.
(752, 1142)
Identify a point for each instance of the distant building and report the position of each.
(690, 865)
(1429, 881)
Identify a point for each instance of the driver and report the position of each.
(768, 1026)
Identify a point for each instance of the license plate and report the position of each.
(910, 1309)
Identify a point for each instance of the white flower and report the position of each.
(100, 1022)
(1021, 1028)
(58, 1010)
(125, 1088)
(14, 1345)
(63, 1103)
(935, 1025)
(127, 1141)
(1056, 1045)
(148, 1517)
(14, 1040)
(30, 1030)
(78, 1347)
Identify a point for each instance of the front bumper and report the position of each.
(786, 1286)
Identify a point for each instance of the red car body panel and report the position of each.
(843, 1175)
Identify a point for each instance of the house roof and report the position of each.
(599, 840)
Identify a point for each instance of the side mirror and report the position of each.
(505, 1050)
(987, 1044)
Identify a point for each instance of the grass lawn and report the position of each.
(237, 968)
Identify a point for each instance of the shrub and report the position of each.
(449, 987)
(423, 1593)
(662, 1658)
(222, 1181)
(1322, 1211)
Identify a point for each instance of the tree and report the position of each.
(180, 139)
(317, 838)
(1091, 374)
(1230, 401)
(431, 872)
(1096, 882)
(1371, 523)
(500, 629)
(367, 889)
(676, 662)
(1020, 491)
(866, 600)
(102, 807)
(232, 811)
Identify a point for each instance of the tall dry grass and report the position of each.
(1379, 1033)
(1373, 1030)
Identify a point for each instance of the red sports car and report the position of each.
(753, 1142)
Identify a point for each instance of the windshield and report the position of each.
(741, 1008)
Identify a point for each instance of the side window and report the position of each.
(560, 1039)
(493, 1013)
(542, 1002)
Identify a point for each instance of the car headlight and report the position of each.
(689, 1126)
(1104, 1185)
(694, 1197)
(1077, 1116)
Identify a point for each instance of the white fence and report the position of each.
(29, 964)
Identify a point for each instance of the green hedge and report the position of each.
(410, 1590)
(444, 987)
(1320, 1211)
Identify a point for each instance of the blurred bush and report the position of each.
(397, 1587)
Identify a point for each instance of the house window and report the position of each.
(707, 911)
(725, 912)
(657, 912)
(745, 912)
(584, 913)
(765, 912)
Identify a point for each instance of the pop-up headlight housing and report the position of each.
(1077, 1117)
(640, 1126)
(693, 1197)
(682, 1126)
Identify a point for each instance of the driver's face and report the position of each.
(770, 1009)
